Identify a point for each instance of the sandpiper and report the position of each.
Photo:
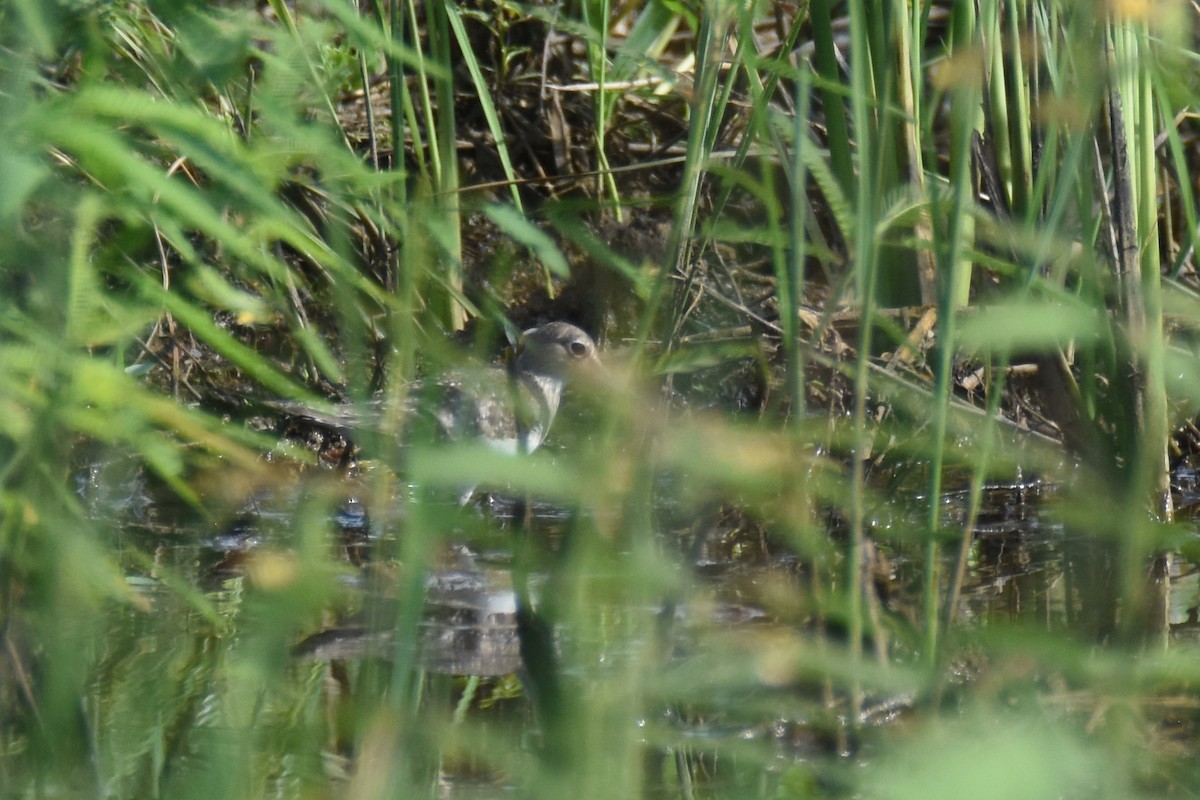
(510, 410)
(513, 414)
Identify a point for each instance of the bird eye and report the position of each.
(578, 348)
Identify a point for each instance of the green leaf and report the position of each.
(1028, 325)
(518, 227)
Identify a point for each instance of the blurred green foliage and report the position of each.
(193, 228)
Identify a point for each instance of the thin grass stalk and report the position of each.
(791, 291)
(416, 548)
(408, 263)
(404, 694)
(364, 76)
(1040, 192)
(1046, 80)
(598, 13)
(1156, 434)
(910, 90)
(964, 100)
(898, 282)
(705, 112)
(770, 158)
(910, 31)
(418, 118)
(484, 95)
(401, 322)
(1179, 169)
(979, 474)
(841, 157)
(1016, 78)
(866, 204)
(425, 119)
(452, 313)
(1064, 147)
(997, 96)
(971, 107)
(885, 62)
(1139, 277)
(427, 75)
(764, 93)
(390, 16)
(1056, 185)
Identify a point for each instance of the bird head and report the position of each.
(554, 350)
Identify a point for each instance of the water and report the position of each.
(718, 631)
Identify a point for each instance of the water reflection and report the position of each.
(743, 616)
(1022, 566)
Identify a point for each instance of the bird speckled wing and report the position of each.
(511, 410)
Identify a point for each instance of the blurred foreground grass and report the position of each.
(752, 575)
